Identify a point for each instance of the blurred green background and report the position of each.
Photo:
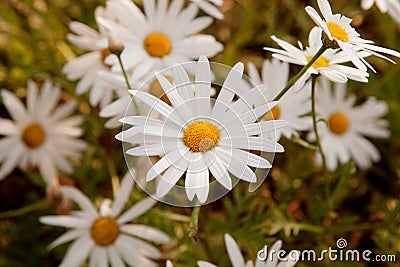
(290, 205)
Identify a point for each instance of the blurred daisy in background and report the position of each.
(40, 135)
(85, 68)
(195, 137)
(343, 135)
(237, 259)
(165, 35)
(208, 7)
(392, 7)
(338, 29)
(292, 106)
(328, 64)
(104, 235)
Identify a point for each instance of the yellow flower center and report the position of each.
(338, 123)
(320, 62)
(104, 231)
(33, 135)
(105, 52)
(157, 90)
(273, 114)
(201, 136)
(337, 31)
(157, 44)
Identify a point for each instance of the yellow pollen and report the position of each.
(157, 44)
(104, 231)
(338, 123)
(33, 135)
(273, 114)
(320, 62)
(337, 31)
(105, 52)
(201, 136)
(157, 90)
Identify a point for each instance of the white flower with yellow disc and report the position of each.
(106, 235)
(338, 30)
(343, 134)
(40, 135)
(196, 137)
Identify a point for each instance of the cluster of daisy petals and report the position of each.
(205, 139)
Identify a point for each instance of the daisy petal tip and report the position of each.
(133, 92)
(203, 58)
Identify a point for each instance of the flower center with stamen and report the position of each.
(273, 114)
(33, 135)
(338, 123)
(104, 231)
(157, 44)
(105, 52)
(157, 90)
(337, 31)
(320, 62)
(201, 136)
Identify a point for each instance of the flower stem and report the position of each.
(127, 82)
(113, 174)
(318, 141)
(194, 223)
(302, 71)
(24, 210)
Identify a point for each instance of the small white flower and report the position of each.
(392, 7)
(85, 68)
(40, 135)
(237, 259)
(165, 35)
(195, 137)
(106, 236)
(338, 29)
(328, 64)
(292, 106)
(209, 8)
(343, 134)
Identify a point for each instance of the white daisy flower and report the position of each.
(292, 106)
(165, 35)
(328, 64)
(337, 28)
(40, 135)
(195, 137)
(104, 235)
(85, 68)
(392, 7)
(237, 259)
(209, 8)
(343, 136)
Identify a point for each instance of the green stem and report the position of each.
(112, 170)
(194, 223)
(127, 83)
(318, 141)
(302, 71)
(24, 210)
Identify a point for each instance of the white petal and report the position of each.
(146, 232)
(78, 252)
(123, 195)
(115, 257)
(66, 237)
(78, 197)
(136, 210)
(233, 250)
(64, 220)
(171, 177)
